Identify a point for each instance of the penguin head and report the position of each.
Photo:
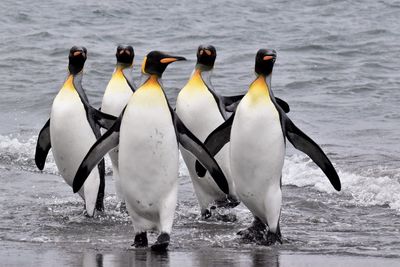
(77, 57)
(206, 55)
(265, 60)
(156, 62)
(125, 54)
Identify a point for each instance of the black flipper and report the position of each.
(43, 146)
(102, 119)
(231, 102)
(103, 145)
(190, 142)
(129, 79)
(215, 141)
(283, 104)
(305, 144)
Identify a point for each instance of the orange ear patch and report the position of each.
(144, 64)
(77, 53)
(168, 60)
(208, 52)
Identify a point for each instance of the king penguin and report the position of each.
(202, 110)
(257, 132)
(148, 132)
(116, 96)
(72, 129)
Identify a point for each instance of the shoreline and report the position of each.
(46, 254)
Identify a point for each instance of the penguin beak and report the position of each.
(125, 51)
(170, 59)
(208, 52)
(78, 53)
(266, 58)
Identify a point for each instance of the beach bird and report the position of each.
(257, 132)
(72, 129)
(148, 132)
(116, 96)
(202, 110)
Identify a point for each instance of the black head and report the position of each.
(156, 62)
(206, 55)
(265, 60)
(125, 54)
(77, 57)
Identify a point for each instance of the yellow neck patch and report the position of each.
(69, 84)
(151, 84)
(149, 94)
(258, 91)
(67, 91)
(195, 84)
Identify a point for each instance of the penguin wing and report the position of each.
(305, 144)
(129, 79)
(190, 142)
(283, 104)
(231, 102)
(215, 141)
(100, 148)
(102, 119)
(43, 146)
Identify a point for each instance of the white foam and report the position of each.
(21, 153)
(364, 188)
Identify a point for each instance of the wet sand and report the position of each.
(31, 254)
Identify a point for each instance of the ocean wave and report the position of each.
(366, 188)
(377, 186)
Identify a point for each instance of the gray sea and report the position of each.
(338, 67)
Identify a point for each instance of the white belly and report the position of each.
(148, 159)
(116, 96)
(257, 156)
(71, 138)
(199, 112)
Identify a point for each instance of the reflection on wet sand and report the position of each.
(201, 257)
(140, 257)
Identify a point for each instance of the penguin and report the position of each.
(257, 133)
(202, 110)
(148, 132)
(116, 96)
(72, 129)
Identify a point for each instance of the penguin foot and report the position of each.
(140, 240)
(256, 232)
(162, 242)
(229, 202)
(226, 217)
(122, 207)
(205, 214)
(100, 206)
(270, 239)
